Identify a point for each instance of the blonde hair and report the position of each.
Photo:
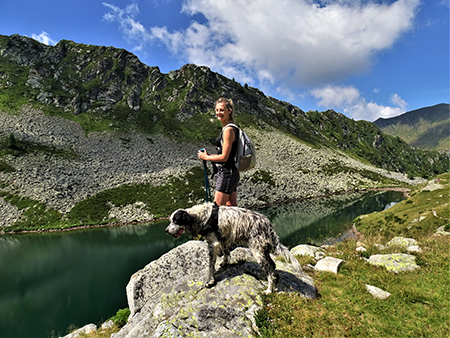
(228, 104)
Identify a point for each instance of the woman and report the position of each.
(228, 175)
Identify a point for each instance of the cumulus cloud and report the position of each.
(288, 42)
(297, 42)
(44, 38)
(287, 46)
(354, 105)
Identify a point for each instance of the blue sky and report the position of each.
(364, 58)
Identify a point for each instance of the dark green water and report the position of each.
(54, 280)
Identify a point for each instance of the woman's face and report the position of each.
(222, 112)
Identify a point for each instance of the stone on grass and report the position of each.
(330, 264)
(401, 242)
(377, 292)
(441, 231)
(305, 250)
(395, 262)
(379, 246)
(414, 248)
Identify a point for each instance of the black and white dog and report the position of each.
(226, 228)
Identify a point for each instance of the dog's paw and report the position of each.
(267, 292)
(210, 284)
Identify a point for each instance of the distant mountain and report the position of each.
(425, 128)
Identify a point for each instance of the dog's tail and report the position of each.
(287, 256)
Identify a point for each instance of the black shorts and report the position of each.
(227, 180)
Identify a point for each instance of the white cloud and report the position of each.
(44, 38)
(292, 43)
(398, 101)
(336, 96)
(354, 105)
(132, 29)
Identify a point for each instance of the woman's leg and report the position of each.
(221, 198)
(232, 202)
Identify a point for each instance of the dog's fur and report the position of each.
(236, 227)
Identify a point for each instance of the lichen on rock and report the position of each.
(168, 298)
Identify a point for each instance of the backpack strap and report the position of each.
(231, 124)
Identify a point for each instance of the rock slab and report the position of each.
(395, 262)
(330, 264)
(168, 298)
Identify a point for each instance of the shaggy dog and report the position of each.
(230, 227)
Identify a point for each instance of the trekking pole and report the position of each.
(207, 191)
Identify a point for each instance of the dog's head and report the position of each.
(180, 221)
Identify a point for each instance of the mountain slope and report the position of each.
(89, 134)
(104, 88)
(426, 128)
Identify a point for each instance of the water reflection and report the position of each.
(319, 221)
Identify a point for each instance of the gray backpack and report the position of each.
(246, 152)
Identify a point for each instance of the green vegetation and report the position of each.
(263, 176)
(13, 91)
(5, 167)
(160, 200)
(121, 317)
(424, 211)
(417, 306)
(419, 299)
(426, 128)
(35, 215)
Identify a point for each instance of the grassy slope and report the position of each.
(419, 301)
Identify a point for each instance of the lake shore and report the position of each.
(405, 192)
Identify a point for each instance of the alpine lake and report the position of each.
(51, 282)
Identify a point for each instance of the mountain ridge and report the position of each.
(426, 128)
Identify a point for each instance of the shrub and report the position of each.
(121, 317)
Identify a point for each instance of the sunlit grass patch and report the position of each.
(418, 305)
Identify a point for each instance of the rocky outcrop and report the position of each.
(168, 298)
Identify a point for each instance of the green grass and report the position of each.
(423, 211)
(418, 305)
(419, 302)
(161, 200)
(35, 215)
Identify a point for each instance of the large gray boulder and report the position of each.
(167, 298)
